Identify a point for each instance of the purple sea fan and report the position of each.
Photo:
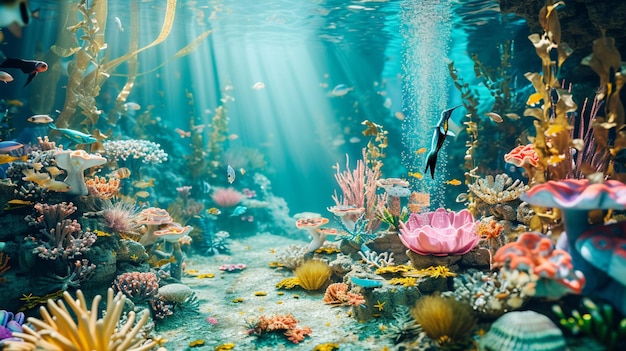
(439, 233)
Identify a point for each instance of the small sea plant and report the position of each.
(444, 319)
(403, 327)
(359, 234)
(600, 321)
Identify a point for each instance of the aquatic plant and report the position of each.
(403, 327)
(137, 286)
(551, 269)
(523, 330)
(287, 324)
(359, 233)
(445, 320)
(4, 265)
(313, 274)
(600, 321)
(78, 271)
(375, 259)
(57, 330)
(375, 150)
(439, 233)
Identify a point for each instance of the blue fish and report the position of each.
(74, 135)
(9, 145)
(439, 136)
(230, 174)
(239, 210)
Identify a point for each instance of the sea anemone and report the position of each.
(444, 319)
(313, 274)
(119, 216)
(226, 197)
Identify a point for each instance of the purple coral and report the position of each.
(439, 233)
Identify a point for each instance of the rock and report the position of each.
(177, 293)
(478, 258)
(390, 242)
(424, 261)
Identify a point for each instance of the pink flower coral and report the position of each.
(439, 233)
(226, 197)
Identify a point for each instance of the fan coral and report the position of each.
(313, 274)
(439, 233)
(58, 331)
(337, 294)
(226, 197)
(444, 320)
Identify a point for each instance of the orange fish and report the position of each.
(183, 134)
(534, 99)
(454, 182)
(420, 151)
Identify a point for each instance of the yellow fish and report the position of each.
(420, 150)
(214, 211)
(14, 102)
(120, 173)
(416, 175)
(534, 99)
(454, 182)
(554, 130)
(142, 194)
(56, 185)
(6, 158)
(142, 184)
(16, 203)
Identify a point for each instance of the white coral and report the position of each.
(498, 190)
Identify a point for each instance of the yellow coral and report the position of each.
(432, 271)
(444, 320)
(326, 347)
(313, 274)
(401, 268)
(288, 283)
(406, 281)
(57, 331)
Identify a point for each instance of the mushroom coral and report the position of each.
(312, 225)
(575, 198)
(75, 162)
(550, 268)
(524, 156)
(439, 233)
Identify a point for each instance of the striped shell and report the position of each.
(523, 331)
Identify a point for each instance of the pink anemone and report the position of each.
(439, 233)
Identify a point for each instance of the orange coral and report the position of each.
(337, 294)
(286, 322)
(103, 188)
(490, 230)
(418, 202)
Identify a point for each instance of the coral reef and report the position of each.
(137, 286)
(338, 294)
(287, 324)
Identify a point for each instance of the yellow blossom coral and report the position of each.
(288, 283)
(405, 281)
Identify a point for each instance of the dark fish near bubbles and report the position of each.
(30, 67)
(439, 136)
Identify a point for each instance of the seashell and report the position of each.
(523, 331)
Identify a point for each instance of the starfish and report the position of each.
(134, 257)
(380, 305)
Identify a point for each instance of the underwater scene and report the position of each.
(312, 175)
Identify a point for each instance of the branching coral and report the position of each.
(337, 294)
(497, 190)
(57, 331)
(137, 286)
(281, 323)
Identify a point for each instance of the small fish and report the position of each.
(242, 171)
(5, 77)
(214, 211)
(54, 171)
(340, 90)
(15, 102)
(120, 173)
(183, 134)
(142, 194)
(416, 175)
(462, 197)
(399, 115)
(454, 182)
(30, 67)
(9, 145)
(233, 137)
(40, 119)
(420, 151)
(74, 135)
(513, 116)
(239, 210)
(6, 158)
(494, 117)
(439, 136)
(206, 187)
(55, 185)
(354, 140)
(132, 106)
(35, 177)
(142, 184)
(258, 86)
(387, 103)
(16, 14)
(230, 174)
(17, 203)
(534, 99)
(118, 21)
